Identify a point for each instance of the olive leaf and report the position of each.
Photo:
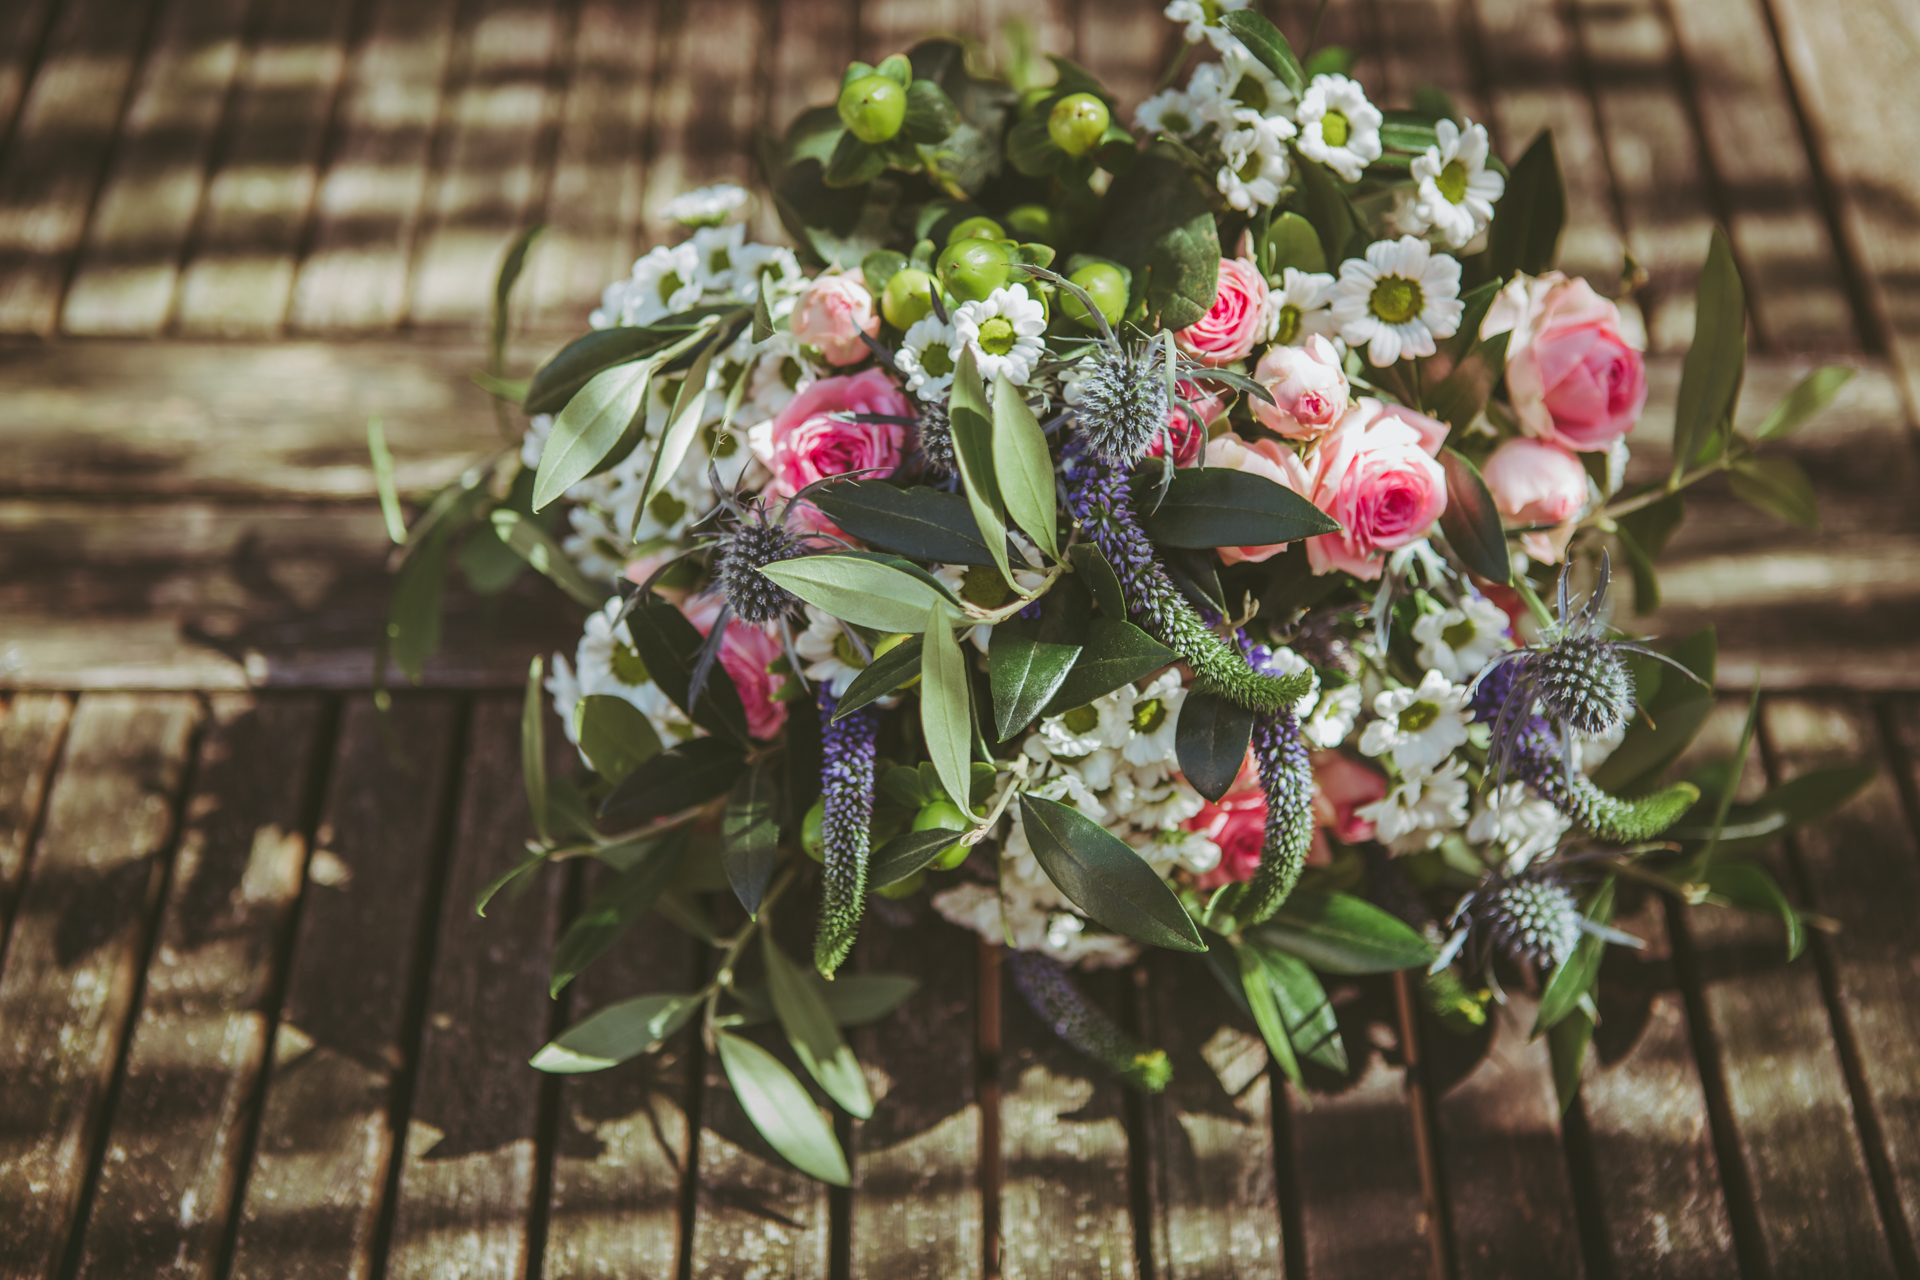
(1024, 467)
(812, 1031)
(615, 736)
(864, 590)
(533, 747)
(970, 423)
(616, 1034)
(1339, 933)
(1105, 877)
(946, 705)
(780, 1109)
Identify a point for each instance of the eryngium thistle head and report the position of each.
(1536, 920)
(740, 551)
(1123, 402)
(936, 438)
(1584, 683)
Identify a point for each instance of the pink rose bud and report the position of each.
(1310, 389)
(831, 313)
(1377, 479)
(1233, 324)
(1188, 430)
(1266, 458)
(1342, 787)
(1534, 482)
(1574, 377)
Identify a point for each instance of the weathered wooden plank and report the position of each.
(492, 181)
(1660, 1194)
(61, 141)
(1216, 1208)
(130, 263)
(176, 1148)
(916, 1201)
(73, 960)
(1843, 59)
(245, 248)
(313, 1199)
(467, 1183)
(894, 26)
(700, 136)
(219, 596)
(1127, 45)
(31, 729)
(1423, 43)
(1796, 289)
(1793, 1121)
(811, 46)
(368, 208)
(1860, 867)
(1064, 1208)
(21, 29)
(621, 1148)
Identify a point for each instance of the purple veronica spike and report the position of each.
(846, 787)
(1052, 995)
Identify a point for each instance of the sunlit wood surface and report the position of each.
(249, 1024)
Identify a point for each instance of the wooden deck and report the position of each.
(249, 1024)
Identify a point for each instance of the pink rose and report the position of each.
(1574, 378)
(1267, 458)
(1343, 786)
(831, 313)
(1534, 482)
(1188, 430)
(747, 653)
(1237, 823)
(1232, 325)
(1310, 389)
(1433, 432)
(1377, 479)
(812, 437)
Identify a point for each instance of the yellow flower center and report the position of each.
(1453, 181)
(1081, 719)
(1148, 715)
(1419, 716)
(843, 649)
(1210, 12)
(1335, 129)
(936, 360)
(982, 585)
(1251, 93)
(997, 336)
(1289, 326)
(670, 284)
(1459, 634)
(627, 667)
(1176, 122)
(1251, 169)
(719, 260)
(1396, 299)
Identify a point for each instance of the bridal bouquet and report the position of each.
(1199, 534)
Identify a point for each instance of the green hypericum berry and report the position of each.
(981, 228)
(944, 815)
(1105, 285)
(972, 269)
(908, 298)
(904, 888)
(873, 108)
(813, 837)
(1031, 222)
(1077, 123)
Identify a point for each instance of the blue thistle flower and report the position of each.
(742, 546)
(1043, 981)
(846, 790)
(1533, 919)
(1123, 400)
(935, 433)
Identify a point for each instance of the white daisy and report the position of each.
(1067, 736)
(1458, 642)
(830, 656)
(1169, 111)
(1332, 717)
(1456, 190)
(1004, 331)
(705, 207)
(1338, 126)
(781, 373)
(995, 915)
(1297, 307)
(1521, 824)
(1419, 810)
(1256, 155)
(773, 263)
(1203, 20)
(606, 663)
(665, 281)
(1397, 299)
(718, 251)
(1419, 727)
(1158, 799)
(1150, 720)
(926, 357)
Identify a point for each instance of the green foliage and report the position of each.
(812, 1031)
(970, 422)
(923, 523)
(946, 702)
(885, 593)
(679, 778)
(1530, 215)
(1023, 467)
(533, 747)
(1105, 878)
(1715, 363)
(615, 908)
(1207, 507)
(780, 1109)
(1167, 239)
(1675, 708)
(1339, 933)
(543, 552)
(1115, 653)
(669, 646)
(1264, 41)
(1471, 521)
(750, 835)
(616, 1034)
(614, 735)
(906, 855)
(1574, 977)
(1211, 741)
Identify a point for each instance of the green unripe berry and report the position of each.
(972, 269)
(1031, 222)
(904, 888)
(873, 108)
(813, 835)
(944, 815)
(1076, 124)
(1105, 285)
(980, 228)
(908, 298)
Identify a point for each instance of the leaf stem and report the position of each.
(735, 946)
(1534, 606)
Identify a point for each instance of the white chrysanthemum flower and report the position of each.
(1004, 331)
(1458, 642)
(705, 207)
(830, 656)
(1455, 190)
(1068, 736)
(1333, 716)
(781, 373)
(926, 357)
(1256, 155)
(1203, 20)
(666, 280)
(1418, 811)
(1151, 719)
(1157, 798)
(1419, 727)
(1338, 126)
(718, 250)
(1170, 111)
(1397, 299)
(996, 916)
(1520, 823)
(1298, 307)
(1070, 787)
(1285, 662)
(777, 266)
(606, 663)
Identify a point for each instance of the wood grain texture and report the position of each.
(1216, 1208)
(176, 1148)
(21, 29)
(1064, 1207)
(467, 1184)
(65, 132)
(620, 1155)
(1421, 43)
(701, 137)
(73, 959)
(369, 205)
(319, 1175)
(1127, 45)
(1659, 1182)
(916, 1200)
(31, 729)
(247, 242)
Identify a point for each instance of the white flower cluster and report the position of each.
(1004, 329)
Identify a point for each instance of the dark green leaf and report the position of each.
(854, 162)
(1778, 487)
(919, 522)
(1813, 796)
(689, 774)
(510, 268)
(1710, 376)
(1342, 230)
(1575, 976)
(762, 317)
(1115, 653)
(899, 858)
(780, 1109)
(1407, 135)
(614, 909)
(882, 676)
(542, 551)
(1528, 218)
(413, 616)
(1745, 885)
(1104, 877)
(1809, 397)
(1264, 41)
(750, 836)
(533, 747)
(617, 1033)
(811, 1030)
(505, 878)
(1462, 397)
(970, 424)
(1167, 238)
(614, 735)
(1304, 1007)
(1567, 1047)
(1471, 522)
(1211, 740)
(931, 115)
(1292, 242)
(1339, 933)
(1102, 581)
(594, 353)
(1215, 507)
(1025, 671)
(669, 646)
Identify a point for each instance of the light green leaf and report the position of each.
(413, 617)
(1339, 933)
(970, 420)
(616, 1034)
(533, 747)
(614, 735)
(1024, 467)
(590, 427)
(1575, 976)
(946, 702)
(1257, 983)
(1742, 884)
(1715, 363)
(866, 592)
(510, 268)
(812, 1032)
(762, 317)
(781, 1110)
(1778, 487)
(1105, 877)
(383, 481)
(539, 548)
(1292, 242)
(505, 878)
(1805, 400)
(1304, 1007)
(887, 672)
(683, 424)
